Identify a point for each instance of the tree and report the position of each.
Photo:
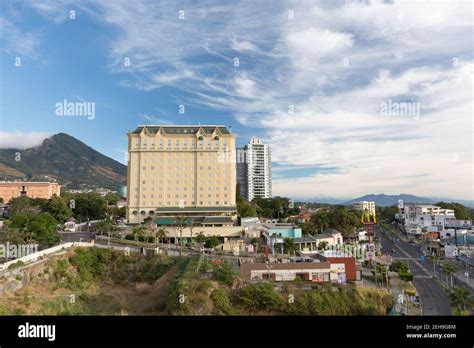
(212, 242)
(246, 209)
(434, 259)
(138, 232)
(181, 224)
(322, 245)
(149, 226)
(161, 235)
(57, 207)
(225, 273)
(308, 228)
(449, 269)
(43, 229)
(460, 211)
(343, 220)
(320, 219)
(460, 298)
(200, 237)
(289, 245)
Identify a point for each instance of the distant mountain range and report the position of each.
(386, 200)
(65, 159)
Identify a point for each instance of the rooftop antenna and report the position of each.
(230, 129)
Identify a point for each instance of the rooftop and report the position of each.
(177, 129)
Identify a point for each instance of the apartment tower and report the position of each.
(254, 170)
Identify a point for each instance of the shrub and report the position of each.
(260, 296)
(398, 266)
(406, 276)
(225, 273)
(130, 237)
(222, 302)
(17, 264)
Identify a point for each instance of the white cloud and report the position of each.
(334, 64)
(18, 42)
(21, 140)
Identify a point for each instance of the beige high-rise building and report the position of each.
(181, 170)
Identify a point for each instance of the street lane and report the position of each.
(434, 300)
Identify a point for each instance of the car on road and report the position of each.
(416, 301)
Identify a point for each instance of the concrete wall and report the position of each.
(35, 256)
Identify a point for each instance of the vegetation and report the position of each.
(225, 273)
(34, 228)
(460, 211)
(276, 207)
(460, 299)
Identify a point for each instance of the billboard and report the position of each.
(458, 224)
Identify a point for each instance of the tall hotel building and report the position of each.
(254, 170)
(181, 170)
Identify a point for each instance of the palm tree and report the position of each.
(321, 219)
(434, 258)
(289, 245)
(460, 297)
(161, 235)
(449, 269)
(181, 224)
(138, 232)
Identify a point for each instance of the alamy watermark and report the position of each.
(405, 109)
(14, 251)
(67, 108)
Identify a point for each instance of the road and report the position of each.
(434, 299)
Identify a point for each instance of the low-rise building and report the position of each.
(14, 189)
(282, 230)
(308, 271)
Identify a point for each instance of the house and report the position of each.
(70, 225)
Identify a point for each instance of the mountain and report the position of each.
(65, 159)
(387, 200)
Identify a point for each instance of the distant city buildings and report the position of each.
(254, 170)
(14, 189)
(176, 170)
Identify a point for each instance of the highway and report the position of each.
(434, 299)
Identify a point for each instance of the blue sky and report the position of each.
(311, 80)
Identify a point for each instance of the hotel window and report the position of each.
(217, 202)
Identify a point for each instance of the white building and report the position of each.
(254, 170)
(419, 217)
(364, 205)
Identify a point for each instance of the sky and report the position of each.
(353, 97)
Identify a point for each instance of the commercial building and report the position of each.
(254, 170)
(13, 189)
(180, 170)
(307, 271)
